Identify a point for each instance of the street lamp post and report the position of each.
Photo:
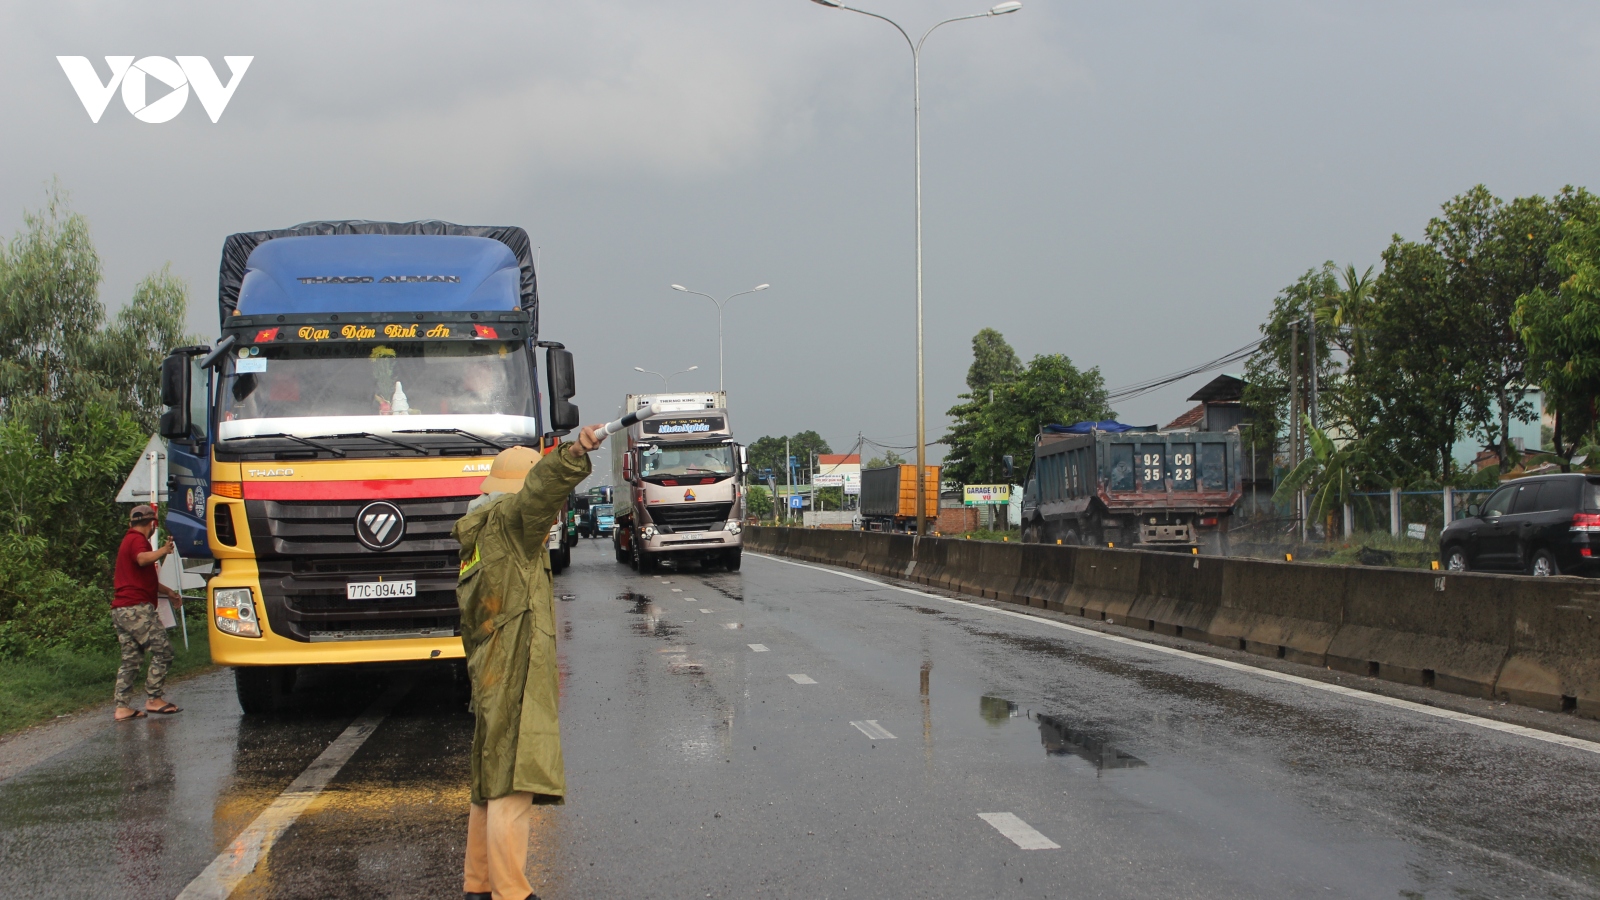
(666, 379)
(916, 103)
(720, 303)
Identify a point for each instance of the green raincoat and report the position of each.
(508, 628)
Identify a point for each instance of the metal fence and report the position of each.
(1418, 514)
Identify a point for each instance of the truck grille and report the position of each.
(301, 528)
(305, 597)
(306, 552)
(690, 517)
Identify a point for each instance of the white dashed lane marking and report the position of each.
(1021, 833)
(759, 648)
(732, 625)
(803, 679)
(704, 610)
(676, 590)
(873, 730)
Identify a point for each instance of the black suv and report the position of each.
(1543, 525)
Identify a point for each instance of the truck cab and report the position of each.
(678, 496)
(321, 451)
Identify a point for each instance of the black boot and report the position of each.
(477, 895)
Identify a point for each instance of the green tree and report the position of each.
(78, 395)
(758, 502)
(993, 362)
(769, 452)
(889, 458)
(1330, 469)
(1050, 389)
(1561, 329)
(1492, 253)
(1268, 373)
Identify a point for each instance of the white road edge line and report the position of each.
(1395, 702)
(758, 648)
(1021, 833)
(872, 729)
(239, 858)
(802, 679)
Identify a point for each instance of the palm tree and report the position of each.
(1330, 470)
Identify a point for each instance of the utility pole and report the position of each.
(1294, 416)
(1311, 355)
(788, 476)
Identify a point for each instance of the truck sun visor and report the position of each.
(446, 270)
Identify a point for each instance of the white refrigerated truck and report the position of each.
(678, 495)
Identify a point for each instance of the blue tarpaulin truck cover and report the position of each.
(1086, 427)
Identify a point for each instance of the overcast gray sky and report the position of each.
(1126, 183)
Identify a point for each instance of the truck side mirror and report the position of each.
(563, 381)
(175, 424)
(1010, 468)
(627, 466)
(744, 460)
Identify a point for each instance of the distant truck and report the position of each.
(601, 520)
(889, 497)
(677, 476)
(1136, 488)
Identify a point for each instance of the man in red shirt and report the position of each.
(133, 612)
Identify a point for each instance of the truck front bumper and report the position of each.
(692, 542)
(273, 649)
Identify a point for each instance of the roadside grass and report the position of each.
(59, 682)
(986, 534)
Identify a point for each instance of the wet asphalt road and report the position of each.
(699, 767)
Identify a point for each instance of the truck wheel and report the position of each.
(559, 560)
(263, 689)
(622, 555)
(643, 561)
(733, 559)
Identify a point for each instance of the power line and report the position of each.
(1139, 389)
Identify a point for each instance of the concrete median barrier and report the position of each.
(1555, 636)
(1534, 642)
(1286, 610)
(1105, 582)
(1177, 595)
(1452, 632)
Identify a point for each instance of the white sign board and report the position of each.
(137, 488)
(986, 494)
(828, 480)
(1417, 531)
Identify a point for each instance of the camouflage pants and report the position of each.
(139, 632)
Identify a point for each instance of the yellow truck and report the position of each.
(322, 449)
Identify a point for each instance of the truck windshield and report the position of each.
(312, 389)
(686, 459)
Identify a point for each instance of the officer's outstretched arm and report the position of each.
(550, 481)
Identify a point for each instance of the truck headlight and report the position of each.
(235, 610)
(647, 532)
(732, 527)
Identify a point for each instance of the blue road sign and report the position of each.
(795, 501)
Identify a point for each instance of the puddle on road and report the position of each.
(997, 710)
(1061, 739)
(1058, 737)
(651, 622)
